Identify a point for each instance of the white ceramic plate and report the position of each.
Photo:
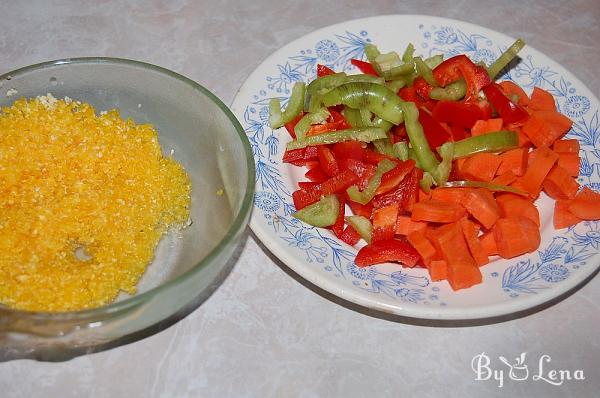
(564, 259)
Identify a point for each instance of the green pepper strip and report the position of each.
(321, 214)
(434, 61)
(327, 83)
(407, 56)
(452, 92)
(418, 141)
(491, 142)
(424, 71)
(303, 125)
(372, 52)
(353, 117)
(401, 150)
(368, 193)
(364, 134)
(442, 172)
(377, 98)
(396, 84)
(481, 184)
(504, 59)
(388, 61)
(426, 182)
(294, 107)
(362, 225)
(384, 146)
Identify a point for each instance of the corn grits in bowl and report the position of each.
(124, 194)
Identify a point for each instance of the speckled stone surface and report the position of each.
(265, 333)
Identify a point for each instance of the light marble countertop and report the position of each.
(264, 333)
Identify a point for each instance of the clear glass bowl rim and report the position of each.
(237, 225)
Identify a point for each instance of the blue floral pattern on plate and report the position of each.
(562, 254)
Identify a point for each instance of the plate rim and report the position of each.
(415, 311)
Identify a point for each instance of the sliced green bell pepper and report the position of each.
(295, 105)
(364, 134)
(491, 142)
(365, 196)
(321, 214)
(504, 59)
(303, 125)
(362, 225)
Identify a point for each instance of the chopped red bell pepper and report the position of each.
(348, 150)
(458, 133)
(510, 112)
(350, 236)
(406, 194)
(422, 88)
(300, 157)
(364, 67)
(323, 70)
(289, 126)
(307, 184)
(459, 66)
(384, 222)
(463, 114)
(327, 160)
(410, 94)
(395, 176)
(316, 173)
(435, 133)
(317, 129)
(384, 251)
(398, 133)
(335, 184)
(363, 170)
(361, 210)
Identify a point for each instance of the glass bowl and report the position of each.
(211, 145)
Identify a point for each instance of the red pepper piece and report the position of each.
(458, 133)
(508, 110)
(350, 236)
(335, 184)
(348, 150)
(394, 177)
(317, 129)
(327, 161)
(411, 93)
(373, 157)
(300, 157)
(338, 227)
(463, 114)
(398, 133)
(323, 70)
(459, 66)
(361, 210)
(435, 133)
(363, 170)
(289, 126)
(422, 88)
(364, 67)
(405, 194)
(316, 173)
(307, 184)
(384, 222)
(384, 251)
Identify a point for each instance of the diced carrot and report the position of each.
(438, 270)
(463, 272)
(405, 226)
(514, 160)
(563, 218)
(423, 195)
(486, 126)
(384, 222)
(483, 207)
(451, 195)
(471, 232)
(570, 162)
(541, 161)
(544, 127)
(541, 100)
(516, 235)
(516, 205)
(586, 205)
(488, 243)
(437, 211)
(418, 240)
(512, 89)
(506, 178)
(481, 167)
(566, 145)
(559, 184)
